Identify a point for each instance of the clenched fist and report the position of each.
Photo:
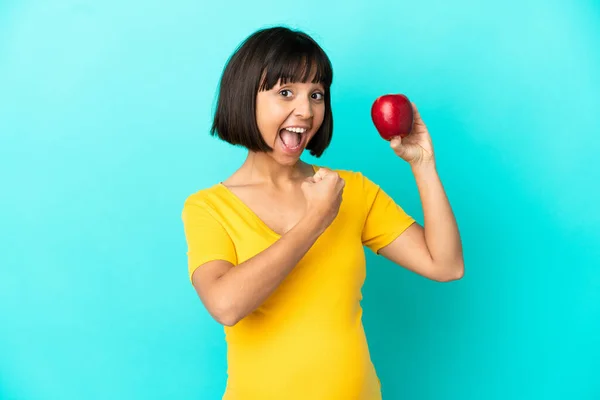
(323, 194)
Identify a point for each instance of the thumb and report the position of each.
(400, 149)
(396, 142)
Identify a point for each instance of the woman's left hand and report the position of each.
(416, 148)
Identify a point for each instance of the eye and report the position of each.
(318, 96)
(285, 93)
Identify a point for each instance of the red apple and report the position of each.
(392, 115)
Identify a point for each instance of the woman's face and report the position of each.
(288, 116)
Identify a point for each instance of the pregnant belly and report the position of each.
(319, 363)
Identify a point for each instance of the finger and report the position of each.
(320, 174)
(416, 111)
(330, 175)
(396, 142)
(399, 148)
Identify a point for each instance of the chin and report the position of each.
(286, 159)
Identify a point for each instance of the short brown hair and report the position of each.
(261, 60)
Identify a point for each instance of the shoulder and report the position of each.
(208, 200)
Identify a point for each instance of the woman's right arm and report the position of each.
(230, 293)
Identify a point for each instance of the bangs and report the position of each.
(300, 61)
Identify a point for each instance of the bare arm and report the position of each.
(229, 294)
(434, 251)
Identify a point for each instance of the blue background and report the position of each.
(105, 109)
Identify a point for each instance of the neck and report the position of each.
(261, 167)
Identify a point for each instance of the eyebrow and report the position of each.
(317, 85)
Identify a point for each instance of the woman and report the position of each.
(275, 251)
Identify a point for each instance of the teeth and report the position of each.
(296, 130)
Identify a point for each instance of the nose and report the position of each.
(303, 108)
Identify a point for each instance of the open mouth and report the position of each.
(293, 138)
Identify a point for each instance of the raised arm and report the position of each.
(230, 292)
(435, 250)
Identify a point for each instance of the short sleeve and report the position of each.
(385, 220)
(207, 240)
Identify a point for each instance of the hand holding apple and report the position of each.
(398, 121)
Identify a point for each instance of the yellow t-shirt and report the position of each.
(306, 341)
